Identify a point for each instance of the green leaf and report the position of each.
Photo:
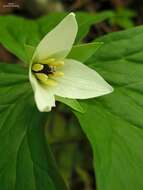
(83, 52)
(15, 32)
(26, 161)
(123, 17)
(113, 123)
(86, 20)
(74, 104)
(29, 51)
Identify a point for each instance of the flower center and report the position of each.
(46, 71)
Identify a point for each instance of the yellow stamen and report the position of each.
(57, 63)
(58, 74)
(50, 82)
(37, 67)
(42, 77)
(45, 80)
(47, 61)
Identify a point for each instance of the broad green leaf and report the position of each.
(117, 147)
(29, 52)
(83, 52)
(74, 104)
(15, 32)
(113, 123)
(86, 20)
(26, 161)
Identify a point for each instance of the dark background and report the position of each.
(72, 149)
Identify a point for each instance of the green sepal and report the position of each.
(73, 103)
(83, 52)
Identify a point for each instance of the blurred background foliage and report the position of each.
(70, 146)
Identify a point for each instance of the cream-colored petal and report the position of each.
(80, 82)
(44, 97)
(59, 41)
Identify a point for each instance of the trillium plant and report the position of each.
(57, 100)
(52, 74)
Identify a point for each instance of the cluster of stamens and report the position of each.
(46, 71)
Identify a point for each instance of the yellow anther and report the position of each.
(47, 61)
(58, 74)
(57, 63)
(42, 77)
(37, 67)
(50, 82)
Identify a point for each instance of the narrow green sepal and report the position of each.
(73, 103)
(83, 52)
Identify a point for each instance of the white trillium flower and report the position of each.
(52, 74)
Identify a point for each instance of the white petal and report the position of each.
(80, 82)
(44, 98)
(59, 41)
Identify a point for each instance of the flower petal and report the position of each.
(59, 41)
(44, 97)
(80, 82)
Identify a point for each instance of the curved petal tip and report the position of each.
(72, 14)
